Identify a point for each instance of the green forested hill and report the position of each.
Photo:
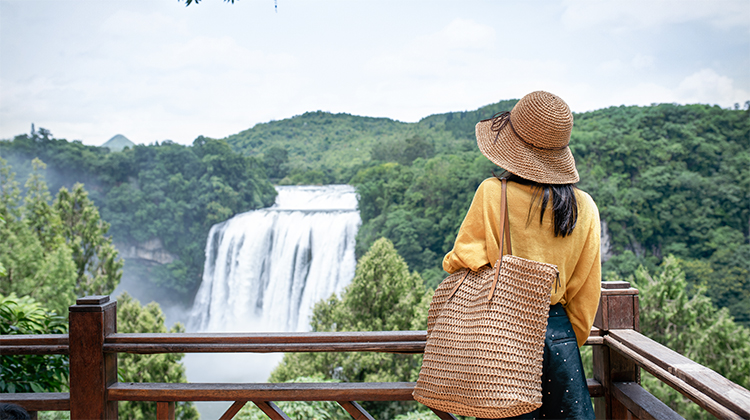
(668, 179)
(320, 147)
(674, 180)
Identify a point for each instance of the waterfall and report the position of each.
(265, 269)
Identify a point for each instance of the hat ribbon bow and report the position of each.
(501, 119)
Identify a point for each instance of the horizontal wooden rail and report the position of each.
(641, 403)
(34, 340)
(41, 401)
(377, 341)
(40, 350)
(34, 344)
(388, 342)
(268, 338)
(292, 391)
(287, 391)
(385, 347)
(716, 394)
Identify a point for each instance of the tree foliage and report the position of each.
(31, 373)
(672, 179)
(36, 258)
(97, 267)
(166, 367)
(384, 296)
(165, 191)
(667, 179)
(54, 250)
(692, 326)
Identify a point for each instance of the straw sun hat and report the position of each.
(531, 141)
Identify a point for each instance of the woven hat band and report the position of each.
(502, 119)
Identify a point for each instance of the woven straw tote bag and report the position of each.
(485, 337)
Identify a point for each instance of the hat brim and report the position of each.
(513, 154)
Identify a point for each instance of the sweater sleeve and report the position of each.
(584, 285)
(472, 247)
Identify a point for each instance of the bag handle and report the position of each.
(458, 284)
(504, 236)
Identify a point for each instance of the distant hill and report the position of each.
(117, 143)
(336, 144)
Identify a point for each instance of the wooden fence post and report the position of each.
(618, 309)
(91, 370)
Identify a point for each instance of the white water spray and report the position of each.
(265, 269)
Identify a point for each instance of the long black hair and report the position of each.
(564, 204)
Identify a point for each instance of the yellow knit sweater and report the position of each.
(577, 256)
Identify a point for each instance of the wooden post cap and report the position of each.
(93, 300)
(610, 285)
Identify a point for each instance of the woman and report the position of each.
(551, 221)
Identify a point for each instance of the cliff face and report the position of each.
(605, 245)
(151, 250)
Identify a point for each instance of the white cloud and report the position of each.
(459, 44)
(637, 15)
(216, 53)
(465, 34)
(641, 61)
(611, 66)
(163, 72)
(707, 86)
(128, 23)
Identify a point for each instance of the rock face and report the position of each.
(605, 246)
(151, 250)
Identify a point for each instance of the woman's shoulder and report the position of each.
(492, 187)
(490, 182)
(584, 197)
(586, 204)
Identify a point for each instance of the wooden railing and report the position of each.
(619, 352)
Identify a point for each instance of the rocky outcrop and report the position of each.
(151, 250)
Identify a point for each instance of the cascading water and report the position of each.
(265, 269)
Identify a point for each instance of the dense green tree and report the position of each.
(166, 367)
(403, 151)
(3, 271)
(37, 210)
(275, 159)
(692, 326)
(31, 373)
(97, 264)
(672, 179)
(384, 296)
(36, 259)
(419, 208)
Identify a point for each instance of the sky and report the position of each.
(157, 70)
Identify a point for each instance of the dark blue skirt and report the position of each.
(565, 394)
